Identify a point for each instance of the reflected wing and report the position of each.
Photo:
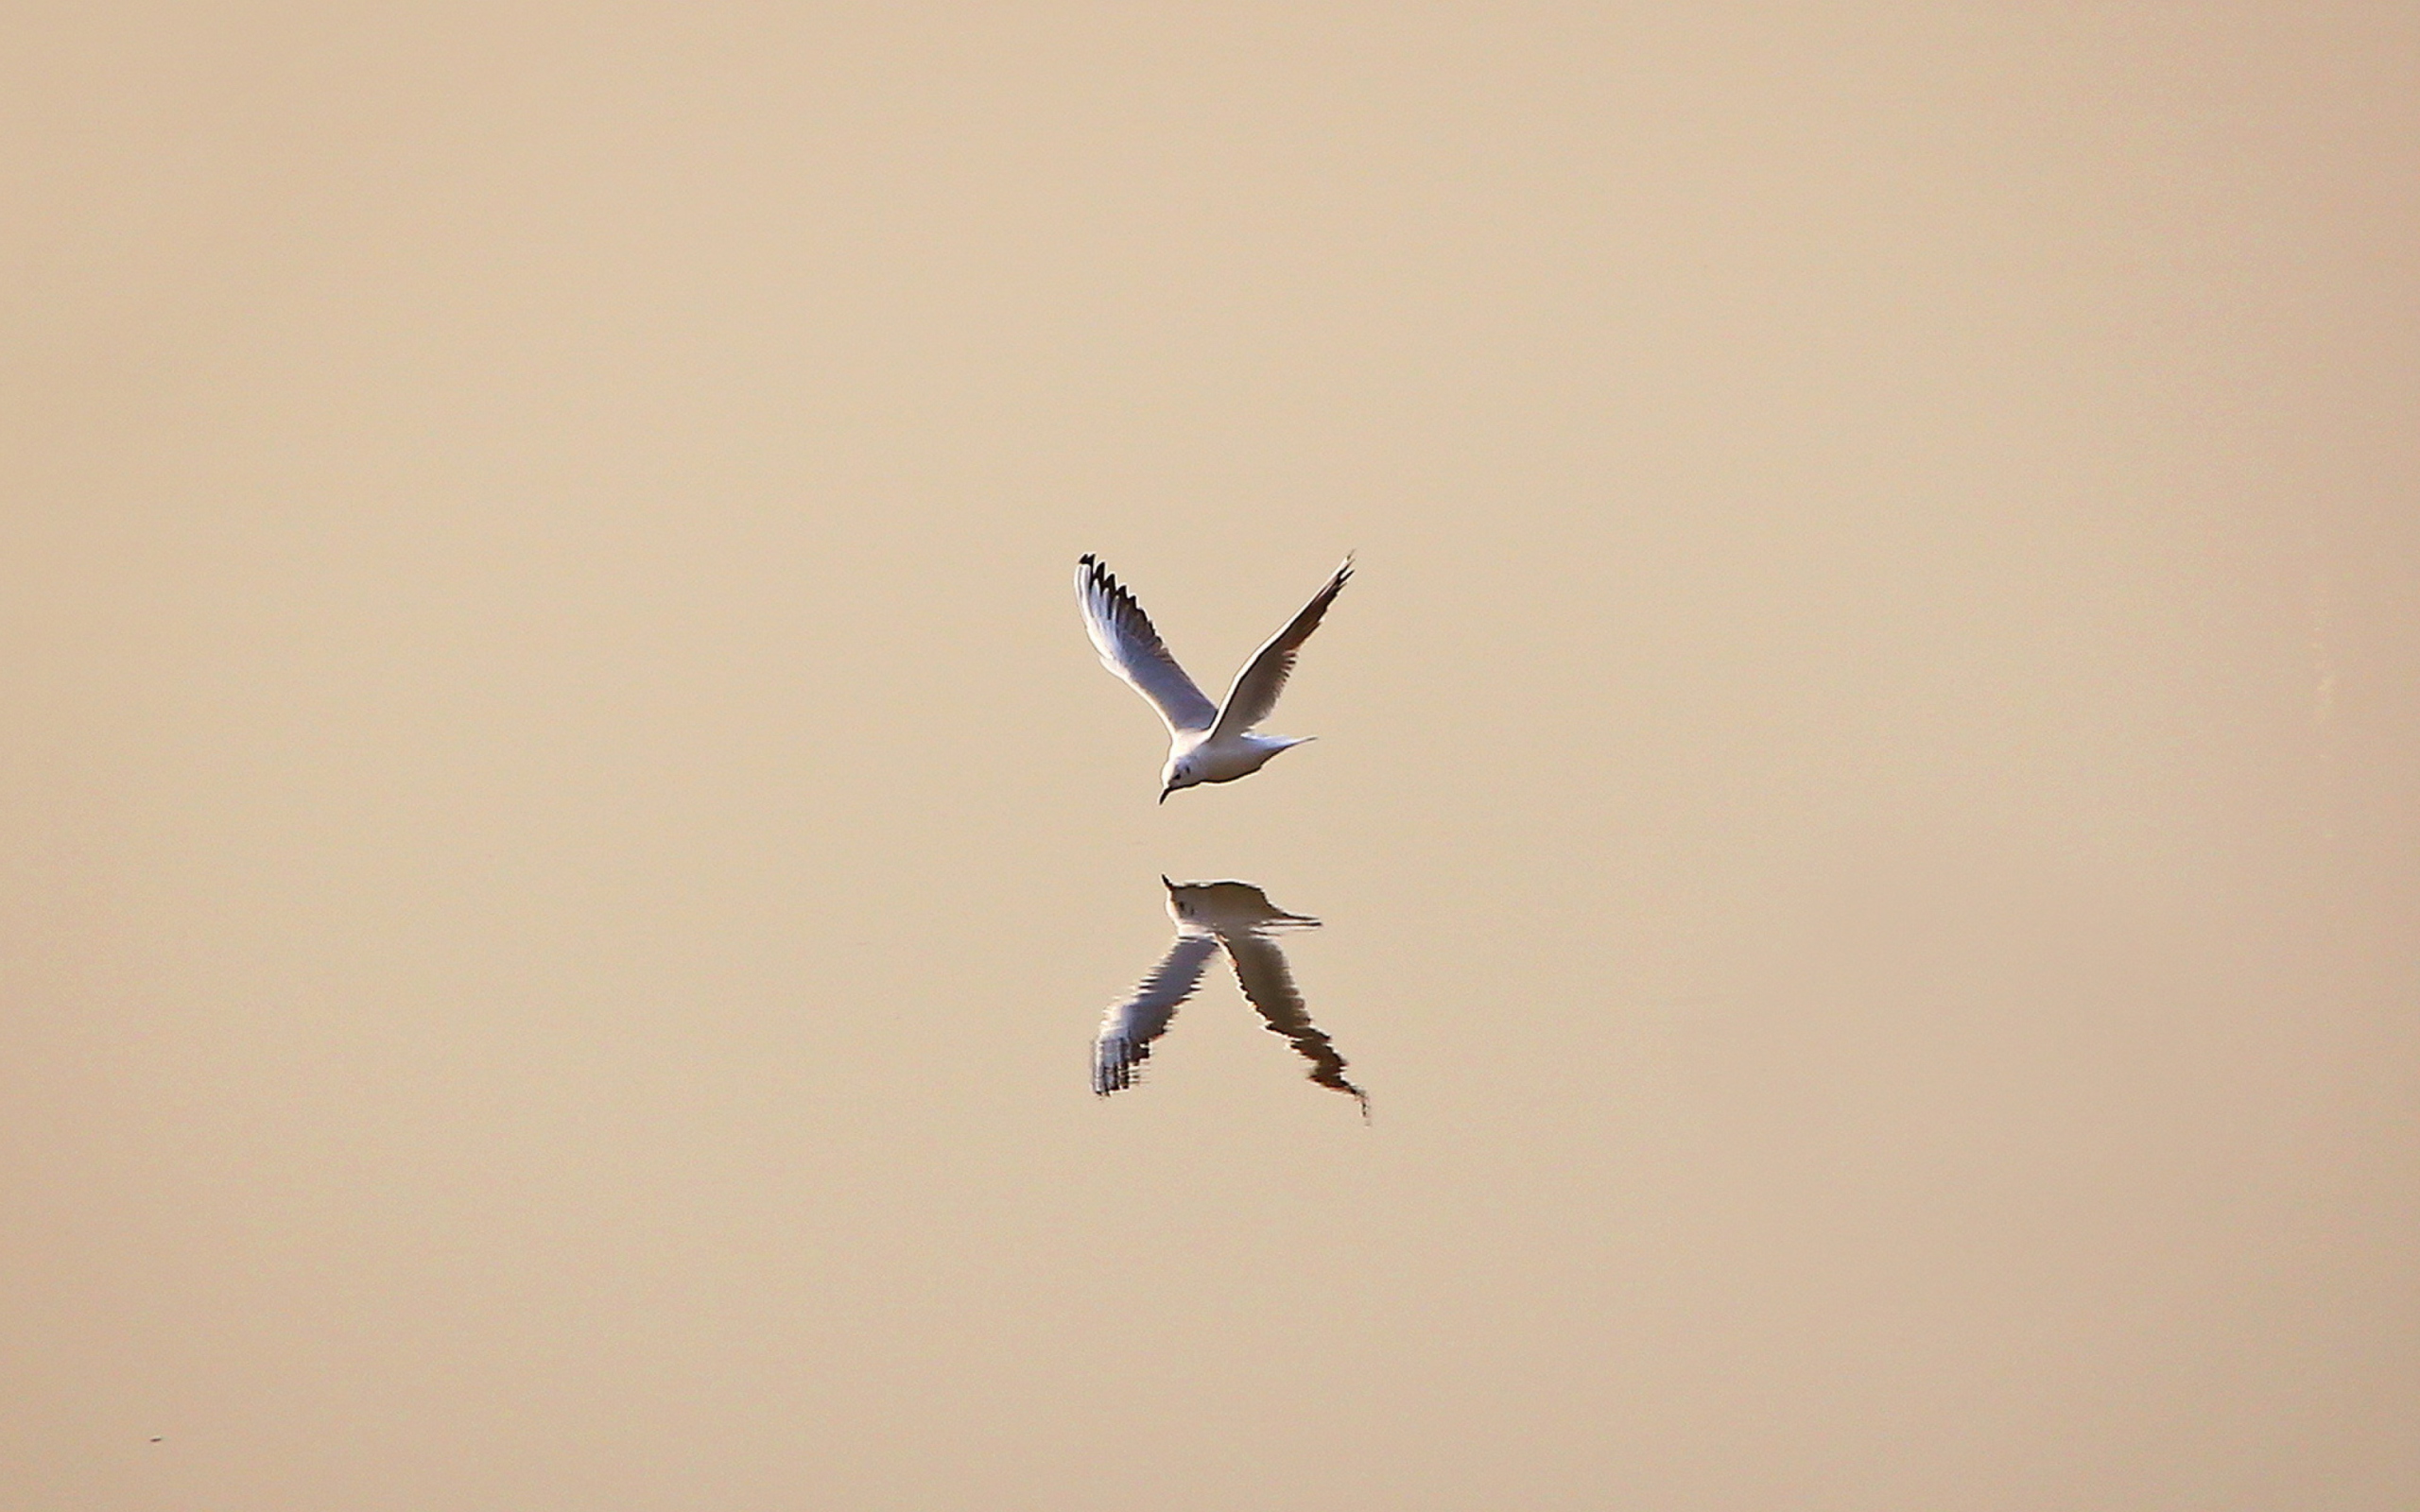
(1128, 1029)
(1260, 968)
(1264, 677)
(1128, 646)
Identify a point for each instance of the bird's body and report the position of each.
(1212, 760)
(1207, 743)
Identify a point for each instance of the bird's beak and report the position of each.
(1166, 791)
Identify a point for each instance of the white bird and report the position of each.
(1237, 917)
(1206, 743)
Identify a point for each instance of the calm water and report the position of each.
(564, 845)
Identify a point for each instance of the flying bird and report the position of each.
(1207, 743)
(1210, 917)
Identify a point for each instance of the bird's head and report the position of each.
(1178, 773)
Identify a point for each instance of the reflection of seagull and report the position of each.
(1207, 743)
(1211, 916)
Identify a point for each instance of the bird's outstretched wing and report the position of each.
(1132, 648)
(1264, 677)
(1261, 971)
(1128, 1029)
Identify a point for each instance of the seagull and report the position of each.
(1237, 917)
(1206, 743)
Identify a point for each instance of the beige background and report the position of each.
(562, 845)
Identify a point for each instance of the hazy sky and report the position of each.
(564, 845)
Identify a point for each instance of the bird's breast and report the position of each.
(1221, 761)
